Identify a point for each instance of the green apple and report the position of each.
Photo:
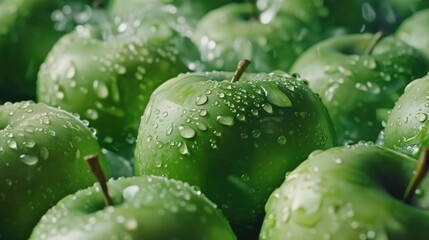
(236, 31)
(235, 140)
(106, 72)
(351, 16)
(414, 31)
(190, 8)
(41, 161)
(28, 29)
(145, 207)
(358, 76)
(353, 192)
(407, 127)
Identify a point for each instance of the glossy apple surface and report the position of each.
(233, 140)
(144, 208)
(41, 161)
(352, 192)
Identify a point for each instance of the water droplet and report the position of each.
(186, 132)
(91, 114)
(225, 120)
(29, 160)
(130, 192)
(71, 72)
(100, 89)
(276, 96)
(421, 117)
(201, 126)
(183, 149)
(12, 144)
(281, 140)
(268, 108)
(29, 143)
(44, 153)
(256, 133)
(201, 100)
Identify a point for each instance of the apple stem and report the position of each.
(98, 4)
(255, 11)
(377, 37)
(241, 67)
(421, 171)
(95, 167)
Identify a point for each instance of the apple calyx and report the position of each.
(421, 170)
(377, 37)
(95, 167)
(241, 67)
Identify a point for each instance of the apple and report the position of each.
(414, 31)
(194, 9)
(235, 31)
(234, 140)
(406, 126)
(28, 29)
(358, 76)
(352, 16)
(41, 161)
(356, 192)
(106, 72)
(146, 207)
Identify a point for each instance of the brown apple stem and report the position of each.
(255, 11)
(95, 167)
(377, 37)
(421, 171)
(98, 4)
(241, 68)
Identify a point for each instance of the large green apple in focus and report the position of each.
(41, 161)
(143, 208)
(352, 192)
(28, 29)
(235, 140)
(358, 77)
(106, 72)
(407, 127)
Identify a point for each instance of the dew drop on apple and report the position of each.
(201, 126)
(130, 192)
(29, 159)
(12, 144)
(201, 100)
(256, 133)
(183, 149)
(276, 96)
(268, 108)
(225, 120)
(186, 132)
(421, 117)
(91, 114)
(281, 140)
(100, 89)
(71, 72)
(305, 206)
(44, 153)
(29, 143)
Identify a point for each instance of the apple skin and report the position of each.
(351, 16)
(230, 33)
(28, 29)
(145, 207)
(233, 140)
(41, 161)
(414, 31)
(190, 8)
(355, 86)
(406, 127)
(351, 192)
(106, 72)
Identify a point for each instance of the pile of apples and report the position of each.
(225, 119)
